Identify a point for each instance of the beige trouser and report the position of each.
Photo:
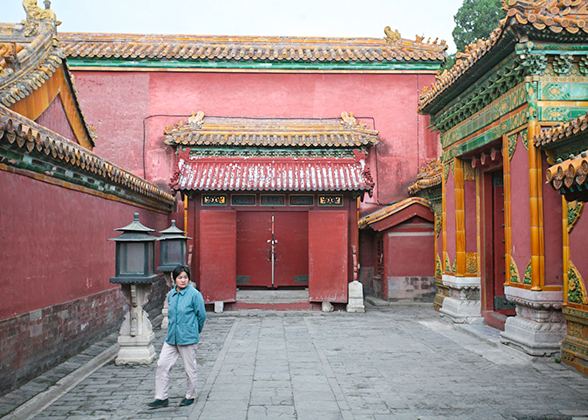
(167, 358)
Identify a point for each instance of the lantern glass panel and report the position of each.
(132, 258)
(150, 258)
(174, 252)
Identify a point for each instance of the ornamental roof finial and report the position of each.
(35, 12)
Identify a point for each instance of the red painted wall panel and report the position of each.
(327, 255)
(54, 243)
(450, 247)
(218, 255)
(471, 212)
(55, 119)
(579, 245)
(553, 234)
(415, 245)
(520, 209)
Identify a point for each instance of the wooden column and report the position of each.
(444, 217)
(460, 234)
(536, 203)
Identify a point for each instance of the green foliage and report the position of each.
(476, 19)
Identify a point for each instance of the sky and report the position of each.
(322, 18)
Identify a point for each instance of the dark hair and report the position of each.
(179, 270)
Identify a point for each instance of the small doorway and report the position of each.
(495, 307)
(272, 249)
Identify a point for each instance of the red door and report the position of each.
(272, 249)
(495, 305)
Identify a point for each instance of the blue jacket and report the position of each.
(186, 315)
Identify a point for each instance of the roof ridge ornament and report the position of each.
(196, 120)
(392, 37)
(35, 12)
(349, 121)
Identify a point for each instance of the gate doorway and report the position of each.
(495, 306)
(272, 249)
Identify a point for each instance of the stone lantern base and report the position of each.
(136, 333)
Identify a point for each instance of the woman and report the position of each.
(186, 316)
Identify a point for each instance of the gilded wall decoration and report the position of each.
(574, 212)
(438, 224)
(447, 264)
(471, 263)
(528, 274)
(514, 272)
(469, 173)
(576, 290)
(575, 329)
(525, 138)
(512, 145)
(454, 268)
(437, 266)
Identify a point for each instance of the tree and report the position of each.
(476, 19)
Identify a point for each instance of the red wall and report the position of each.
(520, 209)
(579, 244)
(450, 247)
(553, 232)
(117, 102)
(411, 241)
(55, 119)
(54, 246)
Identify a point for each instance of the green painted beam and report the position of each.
(194, 64)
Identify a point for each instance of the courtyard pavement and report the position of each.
(392, 362)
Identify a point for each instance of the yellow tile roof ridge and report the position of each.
(31, 136)
(541, 15)
(90, 45)
(391, 210)
(340, 132)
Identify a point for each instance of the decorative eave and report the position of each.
(526, 20)
(430, 175)
(391, 210)
(30, 53)
(47, 154)
(303, 174)
(257, 49)
(565, 133)
(569, 177)
(199, 130)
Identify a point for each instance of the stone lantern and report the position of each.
(172, 252)
(134, 272)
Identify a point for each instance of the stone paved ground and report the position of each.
(389, 363)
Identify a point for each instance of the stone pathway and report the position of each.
(389, 363)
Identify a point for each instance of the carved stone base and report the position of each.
(136, 333)
(355, 299)
(137, 350)
(462, 306)
(539, 326)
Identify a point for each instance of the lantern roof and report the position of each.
(134, 232)
(172, 232)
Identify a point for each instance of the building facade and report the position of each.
(281, 137)
(503, 245)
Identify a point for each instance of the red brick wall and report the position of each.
(34, 341)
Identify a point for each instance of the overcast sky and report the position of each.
(324, 18)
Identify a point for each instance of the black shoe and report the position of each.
(158, 403)
(186, 401)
